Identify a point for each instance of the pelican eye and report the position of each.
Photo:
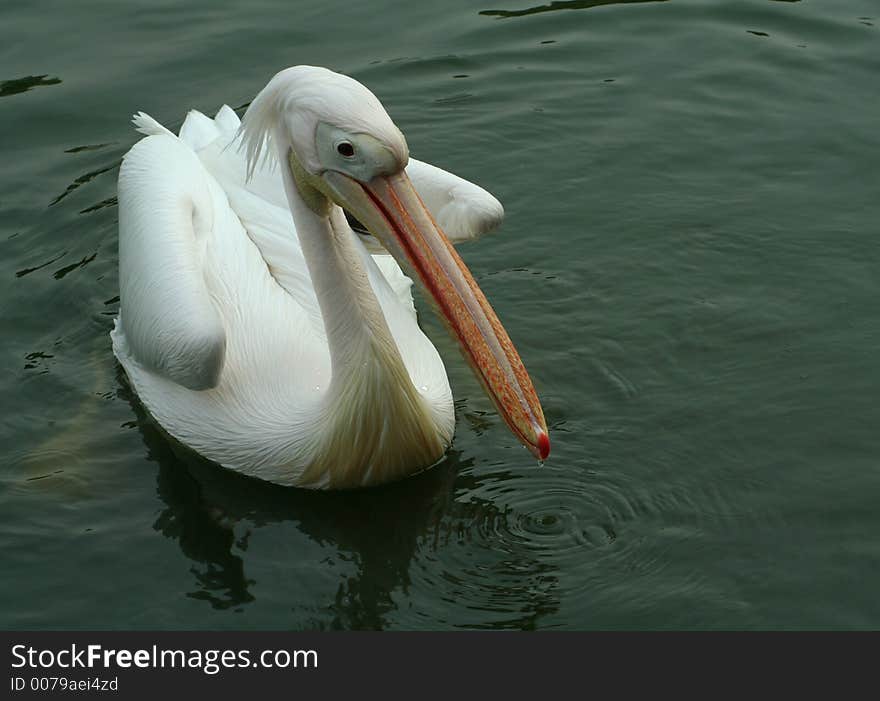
(345, 149)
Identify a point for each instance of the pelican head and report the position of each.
(342, 148)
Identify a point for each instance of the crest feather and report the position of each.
(256, 135)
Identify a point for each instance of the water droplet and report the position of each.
(423, 389)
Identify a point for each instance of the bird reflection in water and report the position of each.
(211, 513)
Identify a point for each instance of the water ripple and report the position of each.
(20, 85)
(82, 180)
(560, 5)
(507, 552)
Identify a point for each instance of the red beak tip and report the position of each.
(543, 445)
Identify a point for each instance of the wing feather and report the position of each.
(463, 209)
(165, 217)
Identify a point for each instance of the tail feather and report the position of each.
(227, 120)
(145, 124)
(198, 130)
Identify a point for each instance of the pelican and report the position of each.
(261, 331)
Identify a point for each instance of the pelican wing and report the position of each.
(166, 214)
(463, 209)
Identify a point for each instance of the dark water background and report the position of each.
(689, 267)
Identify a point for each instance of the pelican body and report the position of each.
(261, 331)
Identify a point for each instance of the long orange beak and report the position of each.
(392, 210)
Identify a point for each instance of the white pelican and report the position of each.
(295, 357)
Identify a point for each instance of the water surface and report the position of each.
(689, 268)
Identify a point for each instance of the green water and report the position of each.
(689, 268)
